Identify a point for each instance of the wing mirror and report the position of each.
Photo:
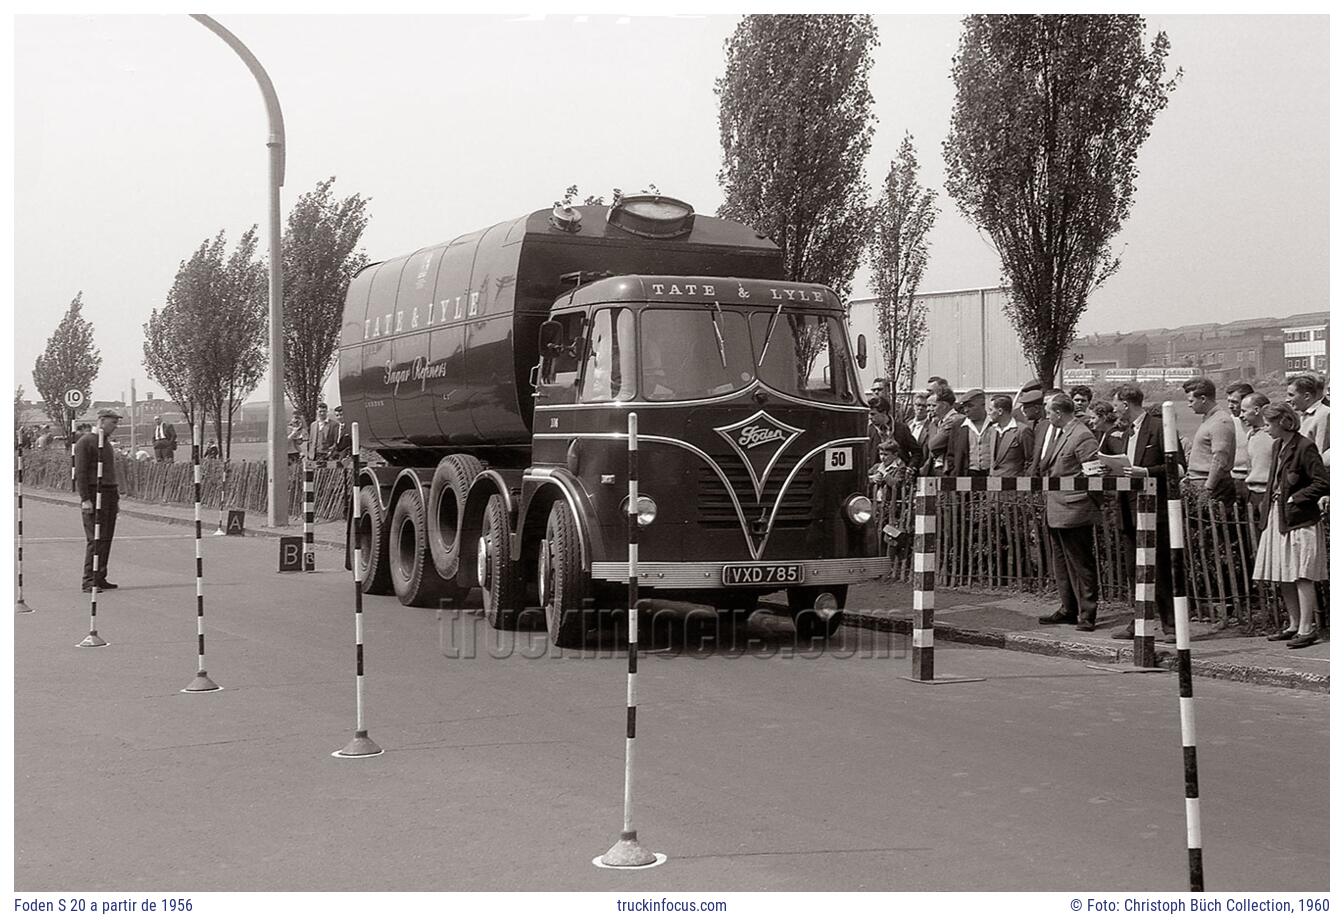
(548, 339)
(862, 356)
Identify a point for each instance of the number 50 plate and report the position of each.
(762, 575)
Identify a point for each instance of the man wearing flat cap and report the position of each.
(970, 450)
(90, 487)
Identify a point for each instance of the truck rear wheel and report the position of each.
(371, 532)
(447, 498)
(495, 570)
(807, 623)
(414, 578)
(563, 585)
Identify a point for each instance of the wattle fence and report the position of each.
(171, 483)
(999, 541)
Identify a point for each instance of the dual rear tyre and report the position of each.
(415, 580)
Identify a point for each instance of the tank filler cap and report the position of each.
(653, 216)
(566, 219)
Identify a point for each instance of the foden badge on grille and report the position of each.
(759, 441)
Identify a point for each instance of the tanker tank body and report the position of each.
(436, 352)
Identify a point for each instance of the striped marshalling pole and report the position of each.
(20, 605)
(73, 439)
(202, 682)
(223, 493)
(923, 574)
(1145, 575)
(93, 640)
(627, 852)
(1181, 610)
(308, 501)
(361, 745)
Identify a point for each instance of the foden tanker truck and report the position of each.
(494, 375)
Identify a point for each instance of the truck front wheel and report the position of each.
(414, 578)
(808, 624)
(371, 532)
(564, 586)
(495, 570)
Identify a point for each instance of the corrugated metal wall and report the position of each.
(971, 341)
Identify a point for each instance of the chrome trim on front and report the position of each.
(709, 574)
(755, 550)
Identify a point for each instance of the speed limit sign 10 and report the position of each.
(74, 398)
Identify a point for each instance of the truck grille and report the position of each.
(715, 508)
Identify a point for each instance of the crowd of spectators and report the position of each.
(1272, 455)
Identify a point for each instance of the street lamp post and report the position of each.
(277, 470)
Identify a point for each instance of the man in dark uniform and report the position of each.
(339, 447)
(87, 484)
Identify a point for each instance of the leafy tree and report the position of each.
(572, 192)
(795, 124)
(207, 346)
(70, 362)
(320, 257)
(1050, 113)
(899, 252)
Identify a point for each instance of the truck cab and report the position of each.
(751, 439)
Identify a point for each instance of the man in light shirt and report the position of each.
(969, 448)
(1304, 394)
(1011, 443)
(1235, 394)
(1259, 448)
(1214, 448)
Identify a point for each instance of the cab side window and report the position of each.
(563, 369)
(609, 368)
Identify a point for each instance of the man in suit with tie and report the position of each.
(1010, 442)
(165, 440)
(321, 435)
(1070, 516)
(339, 448)
(1138, 435)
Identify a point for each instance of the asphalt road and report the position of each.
(757, 768)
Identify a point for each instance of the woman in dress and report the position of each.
(1292, 546)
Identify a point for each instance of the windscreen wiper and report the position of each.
(769, 331)
(718, 333)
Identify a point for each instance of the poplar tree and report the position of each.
(70, 362)
(1049, 117)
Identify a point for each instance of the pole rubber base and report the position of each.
(945, 679)
(360, 746)
(201, 684)
(628, 853)
(92, 640)
(21, 607)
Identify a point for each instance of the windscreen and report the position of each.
(803, 354)
(691, 354)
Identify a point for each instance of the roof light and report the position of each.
(654, 216)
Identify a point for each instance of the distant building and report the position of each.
(1306, 344)
(972, 342)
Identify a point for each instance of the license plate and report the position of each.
(762, 574)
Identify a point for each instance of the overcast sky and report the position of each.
(136, 137)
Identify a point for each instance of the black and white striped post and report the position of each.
(20, 605)
(223, 496)
(202, 682)
(71, 429)
(627, 852)
(308, 501)
(1181, 609)
(361, 745)
(923, 571)
(93, 640)
(1145, 575)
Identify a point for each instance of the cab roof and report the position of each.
(705, 291)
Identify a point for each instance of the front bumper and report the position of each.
(709, 574)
